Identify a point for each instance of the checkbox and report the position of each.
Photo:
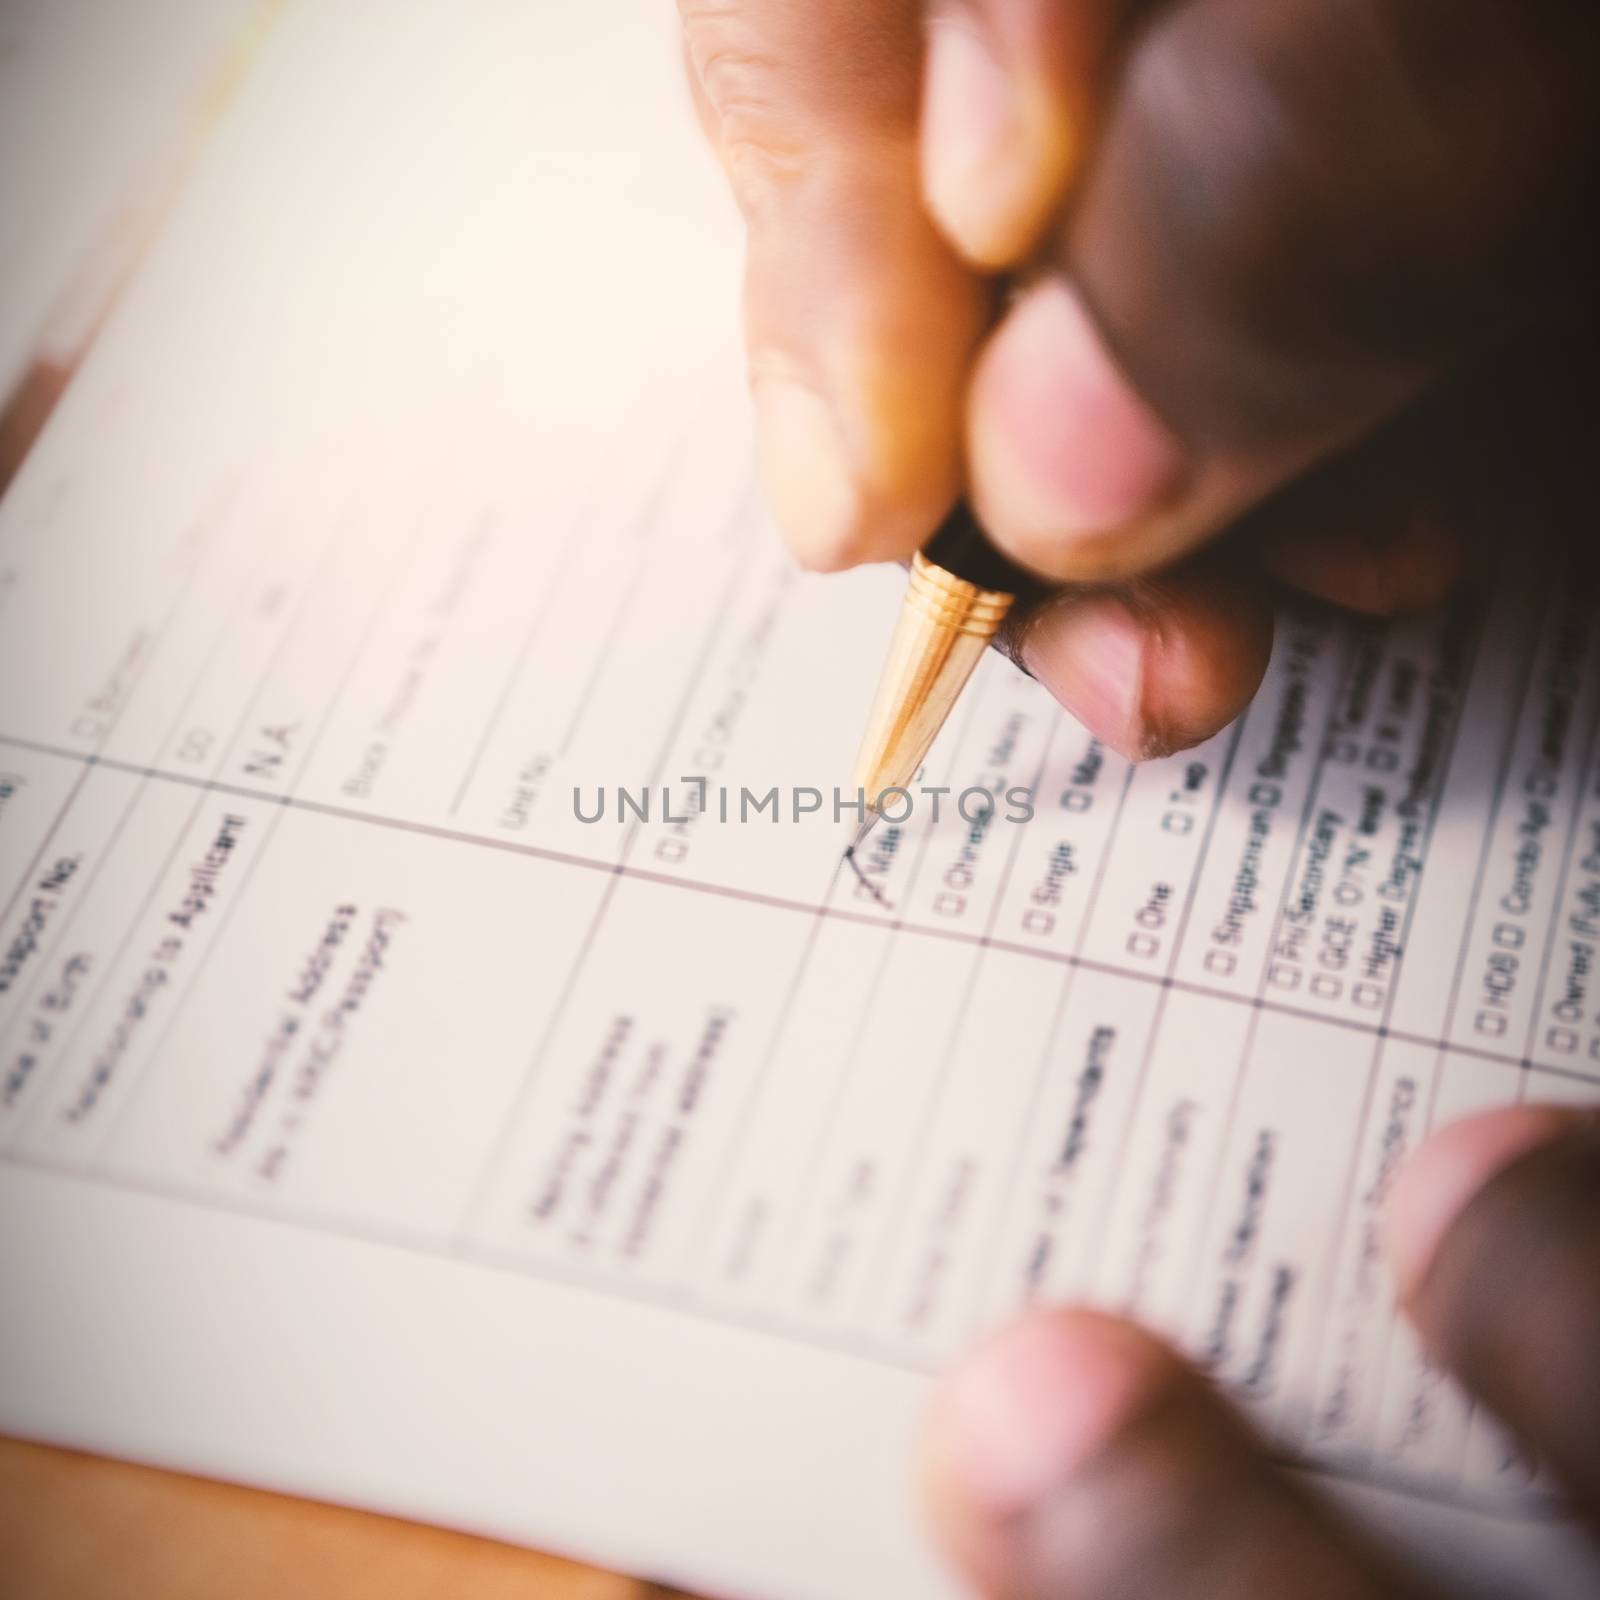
(1369, 995)
(1509, 936)
(671, 848)
(1490, 1023)
(1144, 945)
(1076, 800)
(1562, 1039)
(1040, 922)
(1221, 962)
(1326, 986)
(1283, 976)
(1179, 822)
(1382, 759)
(950, 905)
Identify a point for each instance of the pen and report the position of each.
(961, 591)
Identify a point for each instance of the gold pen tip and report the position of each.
(849, 859)
(944, 628)
(859, 837)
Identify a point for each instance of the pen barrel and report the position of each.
(946, 624)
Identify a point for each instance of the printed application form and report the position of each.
(372, 1127)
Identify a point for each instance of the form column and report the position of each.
(1504, 954)
(1071, 1135)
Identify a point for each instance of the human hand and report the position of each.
(1293, 272)
(1075, 1457)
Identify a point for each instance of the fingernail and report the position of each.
(806, 472)
(1063, 447)
(976, 160)
(1090, 655)
(1436, 1185)
(1026, 1409)
(1010, 1420)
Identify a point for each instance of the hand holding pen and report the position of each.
(1299, 277)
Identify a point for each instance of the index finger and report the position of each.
(860, 320)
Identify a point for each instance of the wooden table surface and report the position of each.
(78, 1527)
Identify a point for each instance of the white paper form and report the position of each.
(373, 1127)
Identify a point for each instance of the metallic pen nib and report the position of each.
(869, 822)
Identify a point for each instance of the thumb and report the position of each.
(1072, 1455)
(1295, 218)
(1495, 1233)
